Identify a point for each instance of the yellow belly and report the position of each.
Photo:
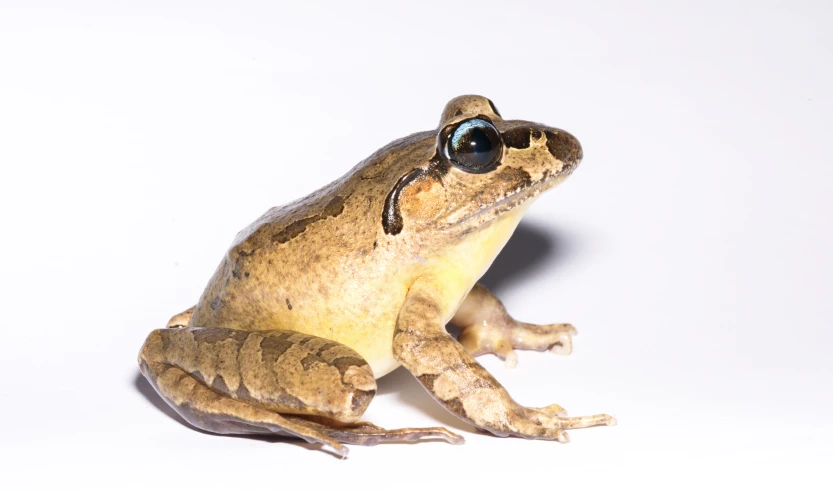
(453, 273)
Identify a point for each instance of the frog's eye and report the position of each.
(474, 146)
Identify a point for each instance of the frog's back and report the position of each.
(321, 265)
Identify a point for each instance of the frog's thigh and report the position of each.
(278, 382)
(281, 371)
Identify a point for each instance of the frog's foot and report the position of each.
(489, 329)
(537, 423)
(553, 409)
(501, 337)
(367, 434)
(181, 319)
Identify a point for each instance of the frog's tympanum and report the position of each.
(318, 298)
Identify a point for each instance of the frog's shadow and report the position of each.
(527, 248)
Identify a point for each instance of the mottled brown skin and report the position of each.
(318, 298)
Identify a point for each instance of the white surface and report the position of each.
(692, 249)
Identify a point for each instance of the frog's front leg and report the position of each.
(488, 328)
(462, 385)
(273, 382)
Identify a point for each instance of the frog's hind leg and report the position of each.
(367, 434)
(489, 329)
(208, 410)
(230, 381)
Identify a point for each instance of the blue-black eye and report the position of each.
(474, 146)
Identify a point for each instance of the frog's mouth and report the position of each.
(520, 198)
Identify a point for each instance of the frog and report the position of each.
(318, 298)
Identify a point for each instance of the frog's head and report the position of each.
(480, 168)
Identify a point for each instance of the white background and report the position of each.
(693, 248)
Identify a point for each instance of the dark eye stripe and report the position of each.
(517, 138)
(391, 217)
(564, 147)
(392, 221)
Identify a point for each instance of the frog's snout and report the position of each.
(564, 147)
